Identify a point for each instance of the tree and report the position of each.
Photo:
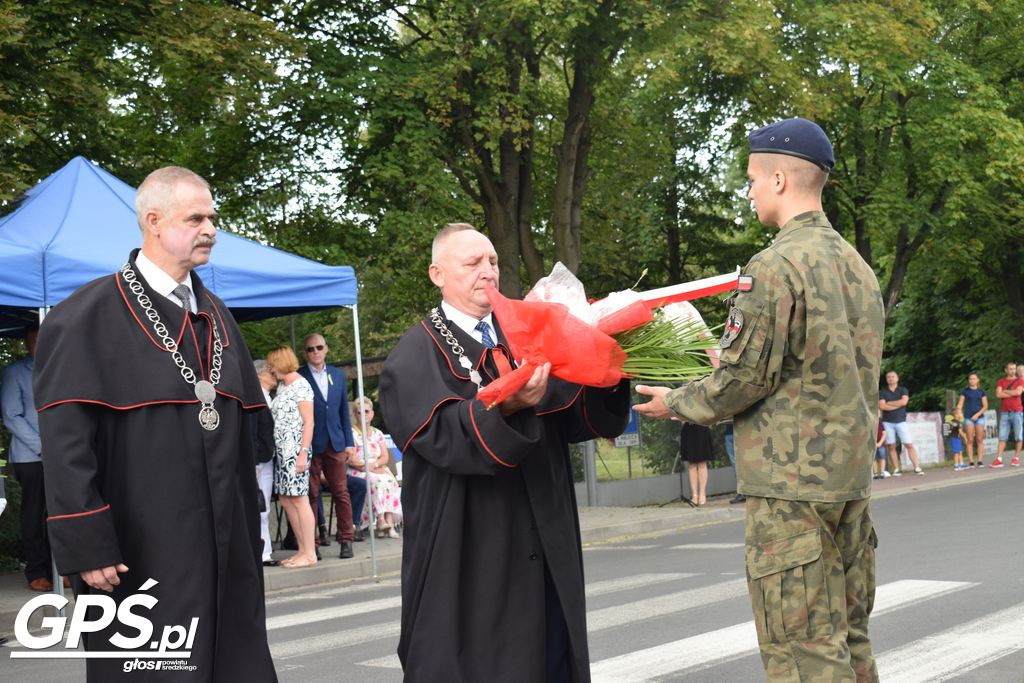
(137, 85)
(486, 82)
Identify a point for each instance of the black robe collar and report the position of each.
(179, 323)
(560, 396)
(479, 355)
(100, 347)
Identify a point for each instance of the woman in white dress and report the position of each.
(293, 434)
(385, 493)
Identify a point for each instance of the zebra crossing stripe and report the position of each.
(385, 662)
(638, 610)
(708, 649)
(696, 652)
(660, 605)
(327, 642)
(328, 613)
(707, 546)
(310, 594)
(630, 582)
(954, 652)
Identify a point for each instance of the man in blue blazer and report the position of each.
(332, 436)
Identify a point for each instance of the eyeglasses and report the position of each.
(311, 349)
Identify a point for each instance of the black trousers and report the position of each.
(34, 543)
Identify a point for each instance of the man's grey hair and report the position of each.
(261, 366)
(157, 190)
(443, 234)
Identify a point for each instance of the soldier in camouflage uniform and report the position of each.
(800, 362)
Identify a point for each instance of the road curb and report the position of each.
(925, 484)
(651, 521)
(657, 526)
(331, 572)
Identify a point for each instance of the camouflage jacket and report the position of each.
(800, 364)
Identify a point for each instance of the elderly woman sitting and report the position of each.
(384, 488)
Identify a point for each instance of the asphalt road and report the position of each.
(950, 603)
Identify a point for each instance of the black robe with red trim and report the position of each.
(488, 501)
(132, 477)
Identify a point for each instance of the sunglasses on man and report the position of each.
(311, 349)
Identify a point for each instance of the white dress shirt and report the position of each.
(163, 283)
(321, 378)
(467, 323)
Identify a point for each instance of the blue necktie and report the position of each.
(485, 334)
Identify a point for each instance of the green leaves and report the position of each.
(667, 350)
(609, 134)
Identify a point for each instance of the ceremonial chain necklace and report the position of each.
(474, 376)
(209, 418)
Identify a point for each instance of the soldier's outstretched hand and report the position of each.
(656, 406)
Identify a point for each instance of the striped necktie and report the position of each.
(485, 334)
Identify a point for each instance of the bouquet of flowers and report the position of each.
(597, 344)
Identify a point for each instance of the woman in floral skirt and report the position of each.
(384, 489)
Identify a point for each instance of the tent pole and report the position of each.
(366, 444)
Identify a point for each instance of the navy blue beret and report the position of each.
(796, 137)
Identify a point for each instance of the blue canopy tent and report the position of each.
(79, 224)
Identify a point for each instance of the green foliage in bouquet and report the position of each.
(667, 349)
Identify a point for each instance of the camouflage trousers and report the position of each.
(811, 576)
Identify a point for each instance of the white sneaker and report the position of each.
(918, 471)
(897, 473)
(885, 474)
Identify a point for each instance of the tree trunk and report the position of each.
(671, 215)
(570, 161)
(900, 263)
(593, 44)
(907, 247)
(499, 197)
(532, 258)
(861, 236)
(581, 175)
(1012, 282)
(503, 231)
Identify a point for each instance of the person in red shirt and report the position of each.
(1009, 390)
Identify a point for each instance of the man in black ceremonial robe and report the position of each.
(147, 453)
(492, 569)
